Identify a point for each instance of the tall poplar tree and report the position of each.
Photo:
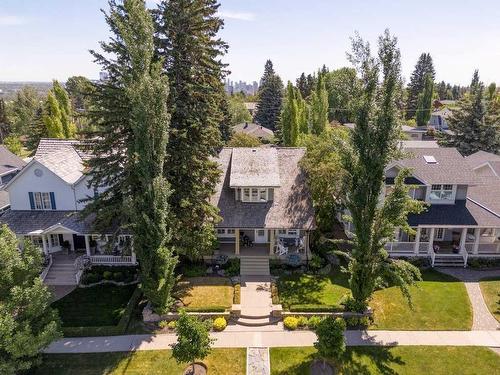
(68, 126)
(52, 117)
(423, 67)
(371, 147)
(290, 117)
(423, 113)
(270, 97)
(187, 40)
(319, 107)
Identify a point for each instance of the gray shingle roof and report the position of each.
(292, 205)
(481, 157)
(9, 161)
(4, 199)
(62, 157)
(256, 130)
(256, 167)
(451, 167)
(461, 213)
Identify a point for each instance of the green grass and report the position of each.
(101, 305)
(491, 293)
(408, 360)
(440, 302)
(300, 289)
(205, 292)
(219, 362)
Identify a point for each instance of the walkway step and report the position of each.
(257, 322)
(258, 362)
(254, 266)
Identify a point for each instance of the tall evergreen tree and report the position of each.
(302, 86)
(24, 109)
(52, 117)
(475, 125)
(187, 40)
(4, 121)
(372, 145)
(423, 113)
(417, 82)
(319, 107)
(441, 90)
(36, 131)
(270, 98)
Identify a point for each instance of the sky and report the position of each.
(50, 39)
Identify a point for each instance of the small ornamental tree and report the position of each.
(244, 140)
(193, 340)
(27, 323)
(331, 342)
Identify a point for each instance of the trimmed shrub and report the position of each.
(232, 267)
(315, 308)
(107, 275)
(219, 324)
(291, 323)
(358, 322)
(90, 278)
(350, 304)
(215, 309)
(118, 276)
(302, 321)
(313, 321)
(163, 324)
(172, 324)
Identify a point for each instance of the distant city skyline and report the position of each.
(42, 41)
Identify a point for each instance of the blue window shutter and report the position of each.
(52, 200)
(32, 200)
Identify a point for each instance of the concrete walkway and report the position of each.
(481, 316)
(256, 295)
(246, 339)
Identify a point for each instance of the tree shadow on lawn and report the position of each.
(308, 289)
(358, 360)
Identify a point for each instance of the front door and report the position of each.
(261, 236)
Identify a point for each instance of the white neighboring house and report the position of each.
(10, 165)
(46, 198)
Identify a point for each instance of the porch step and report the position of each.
(254, 266)
(449, 261)
(251, 321)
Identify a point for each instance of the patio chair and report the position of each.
(282, 250)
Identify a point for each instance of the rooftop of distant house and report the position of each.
(254, 129)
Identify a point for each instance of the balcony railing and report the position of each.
(111, 259)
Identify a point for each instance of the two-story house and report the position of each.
(46, 197)
(264, 202)
(454, 226)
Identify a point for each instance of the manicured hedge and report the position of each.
(214, 309)
(119, 329)
(315, 308)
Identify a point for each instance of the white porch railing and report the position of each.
(400, 247)
(46, 270)
(111, 259)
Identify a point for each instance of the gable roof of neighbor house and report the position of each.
(481, 158)
(291, 207)
(250, 105)
(9, 162)
(254, 167)
(256, 130)
(450, 166)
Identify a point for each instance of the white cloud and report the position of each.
(6, 20)
(241, 16)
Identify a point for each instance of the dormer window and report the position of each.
(254, 195)
(441, 192)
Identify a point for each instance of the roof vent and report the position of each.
(429, 159)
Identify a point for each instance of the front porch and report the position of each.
(271, 243)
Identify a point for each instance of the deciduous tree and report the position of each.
(27, 323)
(244, 140)
(319, 107)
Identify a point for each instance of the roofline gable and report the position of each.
(401, 166)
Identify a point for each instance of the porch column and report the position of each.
(237, 243)
(431, 240)
(44, 244)
(87, 244)
(271, 241)
(477, 237)
(306, 244)
(417, 241)
(463, 237)
(132, 252)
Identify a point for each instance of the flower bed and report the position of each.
(117, 274)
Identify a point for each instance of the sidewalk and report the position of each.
(245, 339)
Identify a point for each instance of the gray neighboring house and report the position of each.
(10, 165)
(264, 201)
(256, 130)
(462, 219)
(439, 118)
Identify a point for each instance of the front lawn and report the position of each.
(408, 360)
(303, 289)
(101, 305)
(440, 302)
(219, 362)
(491, 293)
(205, 292)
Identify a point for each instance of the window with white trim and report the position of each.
(254, 195)
(441, 192)
(42, 201)
(439, 234)
(226, 232)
